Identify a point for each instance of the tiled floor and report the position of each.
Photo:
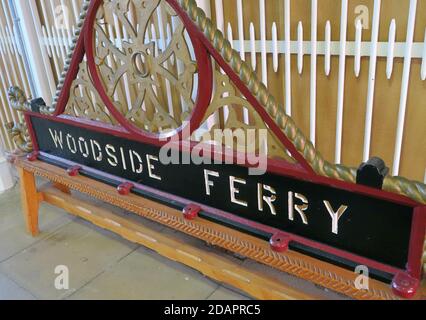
(101, 264)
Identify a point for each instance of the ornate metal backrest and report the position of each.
(166, 69)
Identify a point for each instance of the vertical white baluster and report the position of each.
(371, 80)
(154, 39)
(300, 47)
(46, 41)
(52, 53)
(75, 10)
(56, 31)
(169, 39)
(111, 62)
(119, 37)
(275, 46)
(180, 66)
(162, 31)
(287, 57)
(67, 13)
(57, 41)
(49, 38)
(341, 85)
(358, 38)
(263, 41)
(423, 70)
(220, 22)
(229, 35)
(313, 97)
(240, 13)
(52, 44)
(253, 46)
(391, 49)
(327, 56)
(15, 52)
(219, 15)
(404, 87)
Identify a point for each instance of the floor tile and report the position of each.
(9, 290)
(13, 235)
(84, 249)
(223, 293)
(145, 275)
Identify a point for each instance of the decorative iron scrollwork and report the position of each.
(153, 64)
(239, 114)
(84, 101)
(19, 131)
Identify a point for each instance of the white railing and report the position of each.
(258, 47)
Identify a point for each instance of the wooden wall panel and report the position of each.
(387, 92)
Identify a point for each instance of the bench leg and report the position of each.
(30, 200)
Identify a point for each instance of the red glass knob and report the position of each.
(279, 242)
(125, 188)
(191, 211)
(74, 171)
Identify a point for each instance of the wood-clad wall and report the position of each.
(387, 92)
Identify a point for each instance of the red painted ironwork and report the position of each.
(33, 156)
(418, 230)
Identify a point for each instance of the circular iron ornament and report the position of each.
(142, 62)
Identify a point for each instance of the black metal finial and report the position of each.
(372, 173)
(36, 104)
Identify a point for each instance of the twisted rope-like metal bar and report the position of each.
(82, 17)
(411, 189)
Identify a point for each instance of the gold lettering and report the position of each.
(335, 216)
(300, 208)
(235, 191)
(207, 182)
(151, 167)
(268, 199)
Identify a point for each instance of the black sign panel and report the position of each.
(365, 226)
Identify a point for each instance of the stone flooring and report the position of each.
(101, 264)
